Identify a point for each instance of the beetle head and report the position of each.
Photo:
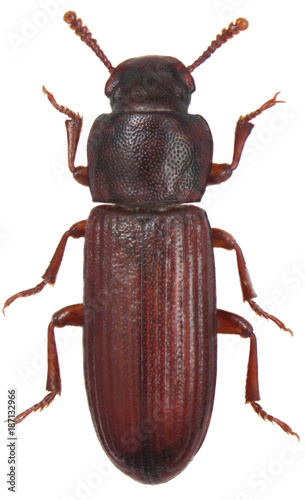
(150, 83)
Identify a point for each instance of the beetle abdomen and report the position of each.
(149, 336)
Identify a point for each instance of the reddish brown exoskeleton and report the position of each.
(149, 314)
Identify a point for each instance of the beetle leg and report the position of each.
(231, 323)
(50, 275)
(70, 315)
(222, 239)
(73, 127)
(222, 171)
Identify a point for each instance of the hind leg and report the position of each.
(231, 323)
(70, 315)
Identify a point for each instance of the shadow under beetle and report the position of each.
(149, 314)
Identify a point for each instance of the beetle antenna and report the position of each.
(234, 28)
(76, 24)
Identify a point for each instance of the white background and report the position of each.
(262, 205)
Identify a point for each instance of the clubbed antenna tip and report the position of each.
(234, 28)
(83, 32)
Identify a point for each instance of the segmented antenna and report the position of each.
(76, 24)
(234, 28)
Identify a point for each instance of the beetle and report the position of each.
(149, 316)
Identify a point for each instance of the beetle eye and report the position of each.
(111, 84)
(186, 77)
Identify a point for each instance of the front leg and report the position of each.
(73, 126)
(222, 171)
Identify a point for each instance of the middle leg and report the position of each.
(76, 231)
(222, 239)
